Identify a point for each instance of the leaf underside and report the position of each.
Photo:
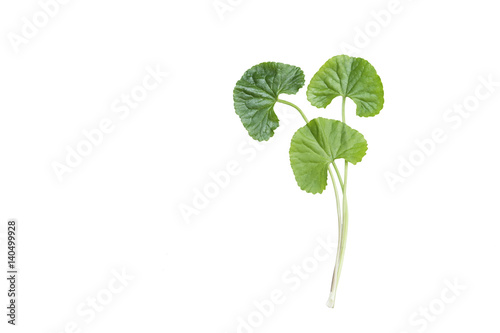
(257, 92)
(349, 77)
(317, 145)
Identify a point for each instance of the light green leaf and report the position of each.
(257, 92)
(349, 77)
(317, 145)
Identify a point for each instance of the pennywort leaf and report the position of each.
(349, 77)
(317, 145)
(257, 92)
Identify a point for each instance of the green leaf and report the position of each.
(257, 92)
(317, 145)
(349, 77)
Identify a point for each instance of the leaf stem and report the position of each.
(296, 107)
(343, 227)
(345, 221)
(343, 109)
(341, 213)
(338, 175)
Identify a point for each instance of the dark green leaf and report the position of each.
(257, 92)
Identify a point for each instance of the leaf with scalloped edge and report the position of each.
(317, 145)
(348, 77)
(257, 92)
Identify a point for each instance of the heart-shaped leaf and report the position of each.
(349, 77)
(317, 145)
(257, 92)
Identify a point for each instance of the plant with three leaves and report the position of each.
(317, 146)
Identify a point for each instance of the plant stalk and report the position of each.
(341, 213)
(296, 107)
(343, 227)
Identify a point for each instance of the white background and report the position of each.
(120, 208)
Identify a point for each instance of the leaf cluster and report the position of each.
(321, 141)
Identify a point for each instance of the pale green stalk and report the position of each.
(341, 213)
(343, 229)
(296, 107)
